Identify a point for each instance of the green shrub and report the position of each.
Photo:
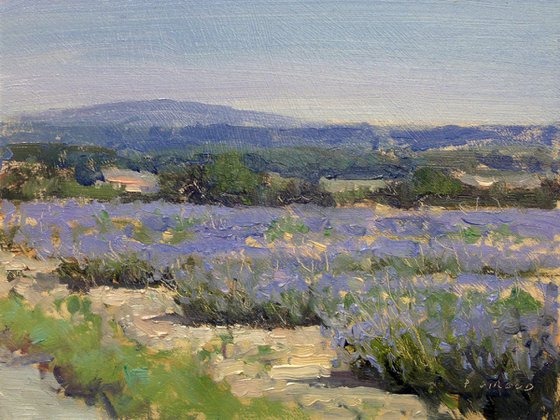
(278, 191)
(229, 177)
(7, 237)
(188, 183)
(284, 225)
(29, 181)
(428, 181)
(122, 271)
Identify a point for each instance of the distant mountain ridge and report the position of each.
(453, 136)
(158, 112)
(164, 124)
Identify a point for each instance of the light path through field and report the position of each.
(24, 395)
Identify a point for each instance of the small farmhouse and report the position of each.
(131, 181)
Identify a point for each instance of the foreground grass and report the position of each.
(94, 360)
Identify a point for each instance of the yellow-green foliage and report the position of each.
(284, 225)
(71, 188)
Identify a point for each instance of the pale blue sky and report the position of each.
(414, 61)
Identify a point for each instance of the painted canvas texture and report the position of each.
(290, 209)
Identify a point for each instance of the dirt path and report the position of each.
(25, 395)
(291, 365)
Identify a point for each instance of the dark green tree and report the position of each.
(231, 181)
(187, 183)
(431, 181)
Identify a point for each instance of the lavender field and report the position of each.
(458, 307)
(297, 240)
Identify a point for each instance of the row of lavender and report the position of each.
(508, 241)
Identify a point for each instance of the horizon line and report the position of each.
(10, 117)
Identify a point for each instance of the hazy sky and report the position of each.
(413, 61)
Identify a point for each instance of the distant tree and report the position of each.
(298, 191)
(228, 176)
(431, 181)
(28, 181)
(188, 183)
(405, 194)
(498, 190)
(87, 173)
(13, 182)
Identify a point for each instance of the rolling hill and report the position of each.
(158, 112)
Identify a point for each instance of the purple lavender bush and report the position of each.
(473, 351)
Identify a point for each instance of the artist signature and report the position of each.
(499, 384)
